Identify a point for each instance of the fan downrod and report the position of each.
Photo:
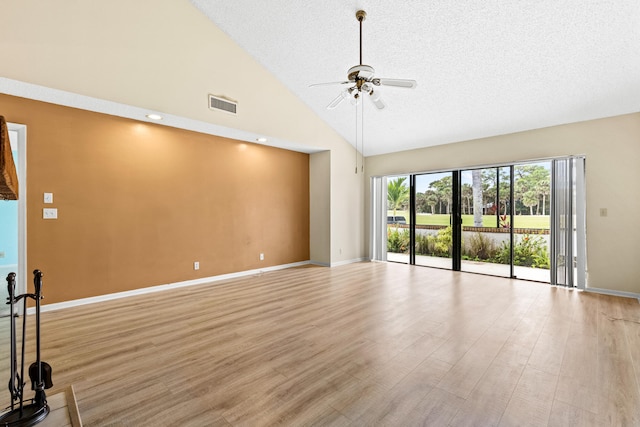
(361, 15)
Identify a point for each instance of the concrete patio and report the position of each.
(524, 273)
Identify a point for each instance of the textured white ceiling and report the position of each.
(483, 67)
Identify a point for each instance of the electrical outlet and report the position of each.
(196, 265)
(50, 213)
(261, 257)
(2, 255)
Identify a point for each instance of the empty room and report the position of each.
(345, 213)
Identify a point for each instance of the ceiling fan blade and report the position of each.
(333, 104)
(329, 84)
(376, 99)
(409, 84)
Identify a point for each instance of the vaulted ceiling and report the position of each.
(483, 67)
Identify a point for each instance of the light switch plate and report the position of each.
(48, 197)
(50, 213)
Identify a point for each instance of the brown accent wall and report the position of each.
(138, 203)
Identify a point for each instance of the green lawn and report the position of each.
(520, 221)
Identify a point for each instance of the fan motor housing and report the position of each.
(360, 72)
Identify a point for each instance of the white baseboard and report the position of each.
(349, 261)
(320, 264)
(339, 263)
(159, 288)
(614, 293)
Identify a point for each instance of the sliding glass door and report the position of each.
(523, 220)
(398, 221)
(486, 221)
(433, 195)
(532, 224)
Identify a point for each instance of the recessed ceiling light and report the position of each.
(154, 116)
(261, 139)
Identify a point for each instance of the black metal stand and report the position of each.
(20, 414)
(26, 416)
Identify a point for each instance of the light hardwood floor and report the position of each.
(362, 344)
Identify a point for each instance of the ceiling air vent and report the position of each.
(221, 104)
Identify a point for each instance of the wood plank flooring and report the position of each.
(362, 344)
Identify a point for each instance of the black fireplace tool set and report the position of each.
(34, 410)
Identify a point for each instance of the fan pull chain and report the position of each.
(362, 140)
(356, 109)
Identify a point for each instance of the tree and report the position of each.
(544, 189)
(397, 194)
(442, 188)
(432, 200)
(541, 185)
(523, 187)
(489, 190)
(467, 195)
(530, 199)
(532, 182)
(505, 189)
(421, 203)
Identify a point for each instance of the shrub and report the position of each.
(438, 245)
(480, 248)
(424, 243)
(397, 240)
(443, 242)
(527, 252)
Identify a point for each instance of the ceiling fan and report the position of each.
(361, 80)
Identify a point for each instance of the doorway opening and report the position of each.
(13, 251)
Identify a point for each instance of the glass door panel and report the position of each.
(531, 221)
(398, 219)
(486, 221)
(433, 232)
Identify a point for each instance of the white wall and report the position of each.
(347, 208)
(612, 150)
(320, 207)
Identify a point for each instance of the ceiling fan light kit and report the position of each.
(361, 80)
